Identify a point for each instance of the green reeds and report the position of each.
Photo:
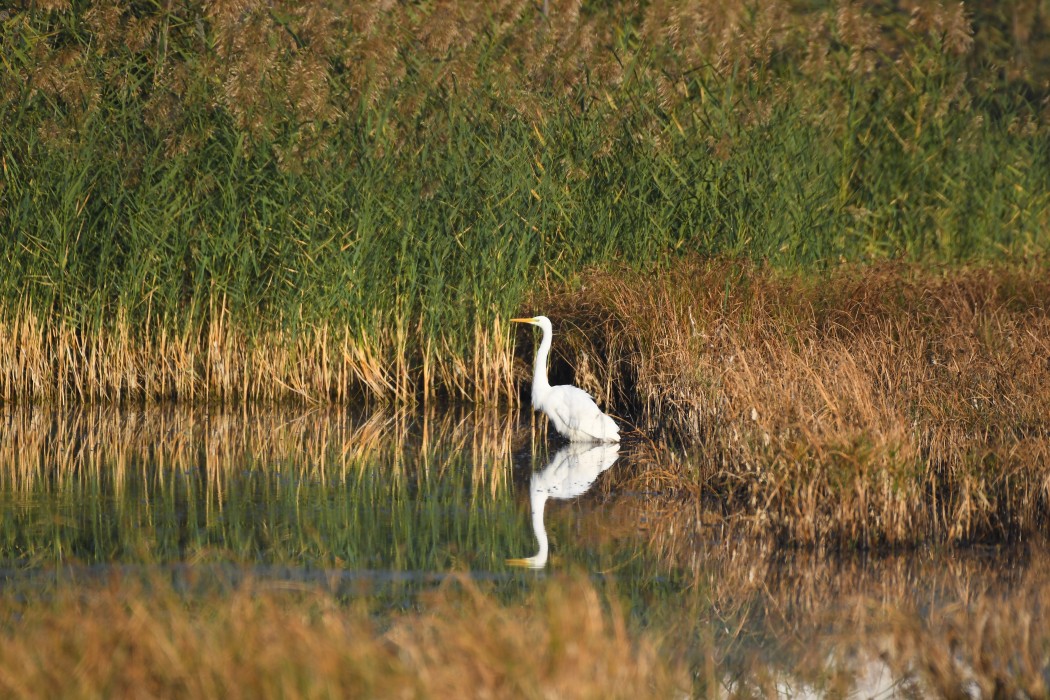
(247, 202)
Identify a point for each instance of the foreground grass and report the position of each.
(869, 405)
(235, 202)
(768, 625)
(131, 640)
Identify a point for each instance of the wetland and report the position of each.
(371, 537)
(262, 425)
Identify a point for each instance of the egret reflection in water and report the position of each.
(568, 475)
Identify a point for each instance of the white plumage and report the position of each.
(571, 409)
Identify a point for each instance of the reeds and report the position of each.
(863, 406)
(940, 625)
(116, 363)
(252, 202)
(260, 641)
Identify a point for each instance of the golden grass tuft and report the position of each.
(129, 639)
(49, 361)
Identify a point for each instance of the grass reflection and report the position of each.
(317, 489)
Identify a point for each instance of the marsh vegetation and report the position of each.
(259, 257)
(869, 405)
(235, 201)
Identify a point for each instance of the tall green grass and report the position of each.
(392, 182)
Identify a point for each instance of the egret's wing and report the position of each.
(563, 411)
(578, 410)
(576, 406)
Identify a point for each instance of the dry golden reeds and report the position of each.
(126, 639)
(869, 405)
(53, 362)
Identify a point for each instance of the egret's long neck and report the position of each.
(540, 385)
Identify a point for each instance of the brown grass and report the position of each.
(260, 641)
(756, 619)
(997, 647)
(870, 405)
(936, 620)
(52, 362)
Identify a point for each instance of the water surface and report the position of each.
(385, 505)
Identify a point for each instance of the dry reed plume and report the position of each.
(870, 405)
(279, 64)
(126, 639)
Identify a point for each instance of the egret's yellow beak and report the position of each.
(523, 320)
(523, 563)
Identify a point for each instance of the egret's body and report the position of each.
(571, 472)
(571, 409)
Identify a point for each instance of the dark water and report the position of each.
(384, 505)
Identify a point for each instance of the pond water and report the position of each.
(382, 494)
(383, 505)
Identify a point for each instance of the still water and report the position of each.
(381, 493)
(385, 505)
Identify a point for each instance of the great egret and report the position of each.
(571, 472)
(571, 409)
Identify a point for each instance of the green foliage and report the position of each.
(415, 170)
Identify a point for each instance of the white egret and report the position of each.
(571, 409)
(571, 472)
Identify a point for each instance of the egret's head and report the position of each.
(541, 321)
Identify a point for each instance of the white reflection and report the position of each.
(569, 474)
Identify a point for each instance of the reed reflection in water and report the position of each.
(402, 491)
